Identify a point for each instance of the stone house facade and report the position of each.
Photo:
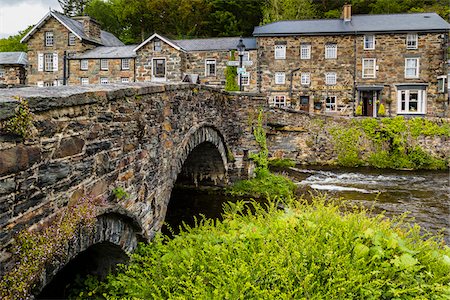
(13, 68)
(353, 65)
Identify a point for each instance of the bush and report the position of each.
(281, 163)
(301, 252)
(381, 110)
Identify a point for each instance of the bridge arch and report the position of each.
(116, 233)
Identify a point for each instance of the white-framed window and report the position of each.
(125, 80)
(210, 67)
(305, 79)
(125, 63)
(84, 80)
(412, 41)
(411, 101)
(104, 80)
(103, 64)
(246, 56)
(71, 39)
(368, 67)
(159, 68)
(330, 51)
(280, 51)
(330, 103)
(330, 78)
(48, 61)
(84, 64)
(2, 73)
(157, 46)
(369, 42)
(278, 101)
(412, 67)
(441, 83)
(280, 77)
(305, 51)
(245, 78)
(49, 39)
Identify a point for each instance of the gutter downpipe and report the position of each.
(354, 74)
(65, 68)
(134, 69)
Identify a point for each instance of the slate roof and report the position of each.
(76, 27)
(419, 22)
(13, 58)
(225, 43)
(108, 52)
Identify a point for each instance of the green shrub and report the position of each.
(119, 193)
(231, 76)
(281, 163)
(346, 144)
(358, 110)
(381, 110)
(22, 122)
(300, 252)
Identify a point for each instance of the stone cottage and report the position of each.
(354, 64)
(13, 68)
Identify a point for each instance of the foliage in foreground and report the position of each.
(281, 163)
(300, 252)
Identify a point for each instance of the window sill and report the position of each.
(410, 113)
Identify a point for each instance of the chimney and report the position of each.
(90, 27)
(347, 13)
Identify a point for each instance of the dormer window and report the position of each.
(157, 46)
(49, 38)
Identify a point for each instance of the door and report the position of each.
(159, 69)
(304, 103)
(367, 103)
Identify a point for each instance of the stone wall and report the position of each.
(92, 139)
(94, 72)
(14, 75)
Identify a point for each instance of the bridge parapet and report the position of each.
(90, 140)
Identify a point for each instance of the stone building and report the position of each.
(12, 68)
(334, 66)
(56, 38)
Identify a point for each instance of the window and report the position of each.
(280, 78)
(159, 68)
(330, 78)
(49, 38)
(305, 51)
(441, 83)
(210, 67)
(2, 73)
(411, 102)
(368, 68)
(412, 67)
(125, 63)
(306, 79)
(411, 41)
(246, 56)
(103, 64)
(280, 51)
(48, 62)
(369, 42)
(330, 103)
(125, 80)
(157, 46)
(245, 78)
(84, 81)
(71, 39)
(84, 64)
(279, 101)
(104, 80)
(330, 51)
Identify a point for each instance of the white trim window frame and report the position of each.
(48, 62)
(278, 101)
(412, 68)
(280, 51)
(369, 42)
(305, 51)
(159, 69)
(104, 64)
(125, 80)
(305, 78)
(84, 80)
(104, 80)
(330, 78)
(49, 39)
(210, 67)
(412, 41)
(369, 68)
(246, 56)
(125, 63)
(280, 78)
(331, 103)
(412, 102)
(71, 39)
(157, 46)
(245, 79)
(84, 64)
(331, 51)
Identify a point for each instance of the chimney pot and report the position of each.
(347, 13)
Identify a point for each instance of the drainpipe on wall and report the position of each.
(134, 69)
(354, 75)
(65, 68)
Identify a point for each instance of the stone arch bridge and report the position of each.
(89, 140)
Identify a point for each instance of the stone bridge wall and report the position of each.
(93, 139)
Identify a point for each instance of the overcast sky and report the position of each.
(16, 15)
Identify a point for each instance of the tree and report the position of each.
(276, 10)
(73, 8)
(12, 43)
